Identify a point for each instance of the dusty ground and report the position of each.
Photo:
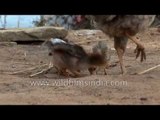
(49, 88)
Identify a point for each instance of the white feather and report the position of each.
(56, 40)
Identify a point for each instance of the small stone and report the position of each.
(13, 66)
(143, 99)
(41, 61)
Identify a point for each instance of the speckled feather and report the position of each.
(118, 25)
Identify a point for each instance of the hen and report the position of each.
(72, 57)
(122, 28)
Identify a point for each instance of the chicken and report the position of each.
(72, 57)
(122, 28)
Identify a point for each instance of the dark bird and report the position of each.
(122, 28)
(72, 57)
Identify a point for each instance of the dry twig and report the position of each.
(29, 69)
(42, 71)
(152, 68)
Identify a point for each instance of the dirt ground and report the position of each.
(49, 88)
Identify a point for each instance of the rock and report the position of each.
(31, 34)
(9, 44)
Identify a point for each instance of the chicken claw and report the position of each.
(140, 50)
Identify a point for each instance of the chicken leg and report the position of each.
(120, 44)
(139, 49)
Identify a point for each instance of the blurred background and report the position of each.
(66, 21)
(18, 21)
